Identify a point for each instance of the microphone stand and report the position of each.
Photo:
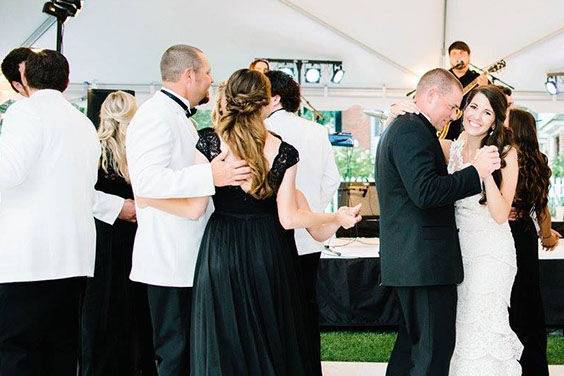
(317, 116)
(331, 251)
(494, 78)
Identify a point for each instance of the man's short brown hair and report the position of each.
(441, 78)
(176, 59)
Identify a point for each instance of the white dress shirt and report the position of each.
(49, 154)
(318, 176)
(160, 147)
(106, 207)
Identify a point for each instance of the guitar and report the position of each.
(497, 66)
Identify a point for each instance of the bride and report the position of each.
(485, 343)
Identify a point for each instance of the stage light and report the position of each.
(62, 8)
(551, 85)
(289, 71)
(313, 75)
(338, 74)
(316, 72)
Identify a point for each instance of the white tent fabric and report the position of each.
(384, 45)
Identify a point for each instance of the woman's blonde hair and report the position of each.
(247, 92)
(217, 110)
(115, 114)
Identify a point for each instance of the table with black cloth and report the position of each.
(349, 293)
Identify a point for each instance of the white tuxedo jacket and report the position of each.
(317, 177)
(160, 147)
(49, 153)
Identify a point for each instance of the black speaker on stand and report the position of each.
(95, 98)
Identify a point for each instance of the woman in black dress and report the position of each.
(248, 312)
(116, 335)
(526, 314)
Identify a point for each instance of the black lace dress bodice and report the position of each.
(233, 199)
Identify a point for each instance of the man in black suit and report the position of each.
(419, 250)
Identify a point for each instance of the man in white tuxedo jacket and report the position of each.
(106, 207)
(160, 144)
(49, 154)
(318, 177)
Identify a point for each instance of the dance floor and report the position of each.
(379, 369)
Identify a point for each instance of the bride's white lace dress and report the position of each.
(485, 343)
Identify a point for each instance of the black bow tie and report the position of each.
(188, 112)
(191, 113)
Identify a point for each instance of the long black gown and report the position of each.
(248, 310)
(526, 314)
(116, 332)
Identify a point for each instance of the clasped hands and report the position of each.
(348, 216)
(486, 161)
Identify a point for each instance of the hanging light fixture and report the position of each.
(312, 75)
(310, 71)
(338, 73)
(551, 85)
(289, 70)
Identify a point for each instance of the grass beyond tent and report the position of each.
(364, 346)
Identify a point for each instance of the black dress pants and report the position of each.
(426, 335)
(171, 309)
(309, 265)
(39, 327)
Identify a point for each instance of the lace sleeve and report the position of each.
(209, 143)
(288, 156)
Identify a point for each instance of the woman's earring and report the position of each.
(491, 132)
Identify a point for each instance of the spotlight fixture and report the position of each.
(62, 8)
(551, 85)
(338, 74)
(310, 71)
(313, 75)
(289, 71)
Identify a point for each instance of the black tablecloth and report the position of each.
(349, 293)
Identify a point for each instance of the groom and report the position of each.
(419, 250)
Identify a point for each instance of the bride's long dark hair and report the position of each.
(499, 136)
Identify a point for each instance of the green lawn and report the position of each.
(350, 346)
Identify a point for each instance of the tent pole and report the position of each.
(347, 37)
(443, 49)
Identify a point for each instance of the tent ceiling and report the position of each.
(121, 41)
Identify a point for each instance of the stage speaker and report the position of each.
(354, 193)
(95, 99)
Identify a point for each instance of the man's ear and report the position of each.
(275, 100)
(18, 87)
(188, 74)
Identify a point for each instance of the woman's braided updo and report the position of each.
(247, 92)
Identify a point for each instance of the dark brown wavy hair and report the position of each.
(534, 173)
(242, 127)
(499, 136)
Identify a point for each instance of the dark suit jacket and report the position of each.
(418, 236)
